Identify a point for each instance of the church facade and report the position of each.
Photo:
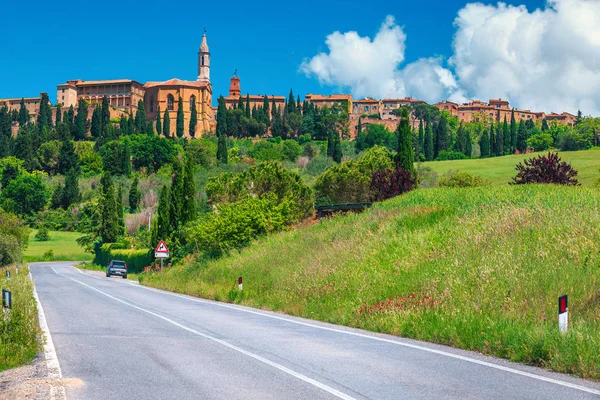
(124, 95)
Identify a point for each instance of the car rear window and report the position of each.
(118, 264)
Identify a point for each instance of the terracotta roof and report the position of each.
(176, 82)
(366, 101)
(19, 99)
(404, 100)
(106, 82)
(447, 102)
(318, 97)
(498, 101)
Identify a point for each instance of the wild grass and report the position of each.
(62, 246)
(19, 328)
(500, 170)
(475, 268)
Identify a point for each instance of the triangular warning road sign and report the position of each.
(161, 248)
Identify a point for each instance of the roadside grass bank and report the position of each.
(61, 246)
(94, 267)
(478, 269)
(19, 328)
(500, 170)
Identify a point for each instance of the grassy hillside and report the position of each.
(478, 269)
(62, 244)
(500, 170)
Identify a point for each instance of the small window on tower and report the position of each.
(203, 61)
(170, 101)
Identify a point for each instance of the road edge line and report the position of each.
(57, 391)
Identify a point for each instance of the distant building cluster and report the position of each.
(125, 94)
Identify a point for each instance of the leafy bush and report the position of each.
(136, 260)
(571, 141)
(202, 152)
(461, 179)
(235, 225)
(540, 141)
(343, 183)
(42, 235)
(545, 169)
(26, 194)
(310, 151)
(387, 183)
(304, 138)
(13, 238)
(376, 135)
(450, 155)
(426, 177)
(265, 151)
(375, 159)
(290, 150)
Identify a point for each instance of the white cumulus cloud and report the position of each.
(544, 60)
(547, 60)
(370, 67)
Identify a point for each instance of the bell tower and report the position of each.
(204, 61)
(234, 88)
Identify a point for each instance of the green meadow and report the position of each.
(476, 268)
(63, 246)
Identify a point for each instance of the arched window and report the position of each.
(192, 101)
(202, 61)
(151, 103)
(170, 102)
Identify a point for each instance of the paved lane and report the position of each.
(124, 341)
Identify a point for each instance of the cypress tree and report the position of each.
(222, 150)
(359, 128)
(176, 198)
(428, 141)
(459, 144)
(44, 119)
(24, 149)
(421, 137)
(522, 137)
(298, 105)
(499, 140)
(81, 120)
(545, 125)
(167, 124)
(109, 222)
(150, 128)
(134, 195)
(126, 160)
(193, 119)
(247, 110)
(158, 124)
(96, 129)
(131, 124)
(291, 105)
(67, 158)
(120, 216)
(140, 117)
(513, 132)
(484, 144)
(241, 104)
(221, 117)
(266, 110)
(23, 113)
(188, 210)
(442, 141)
(493, 150)
(404, 154)
(506, 134)
(123, 124)
(105, 115)
(468, 144)
(162, 228)
(179, 122)
(337, 148)
(71, 122)
(58, 117)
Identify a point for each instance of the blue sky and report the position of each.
(46, 43)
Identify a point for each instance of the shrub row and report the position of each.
(136, 259)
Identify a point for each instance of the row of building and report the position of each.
(124, 95)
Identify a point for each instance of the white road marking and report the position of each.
(395, 342)
(280, 367)
(57, 390)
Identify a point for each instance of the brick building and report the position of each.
(256, 100)
(334, 100)
(32, 104)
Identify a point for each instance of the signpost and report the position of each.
(162, 252)
(240, 283)
(563, 313)
(6, 299)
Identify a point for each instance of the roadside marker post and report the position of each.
(8, 274)
(240, 284)
(563, 314)
(6, 299)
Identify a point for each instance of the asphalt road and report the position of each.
(119, 340)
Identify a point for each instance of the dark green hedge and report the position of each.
(136, 259)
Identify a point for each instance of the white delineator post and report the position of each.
(563, 313)
(240, 285)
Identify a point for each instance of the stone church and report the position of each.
(124, 94)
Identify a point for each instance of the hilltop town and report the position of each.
(125, 96)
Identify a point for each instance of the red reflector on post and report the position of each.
(563, 304)
(240, 280)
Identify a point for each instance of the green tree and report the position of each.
(522, 137)
(193, 119)
(404, 152)
(44, 119)
(24, 148)
(222, 149)
(179, 122)
(105, 114)
(131, 125)
(70, 193)
(109, 217)
(241, 104)
(499, 140)
(10, 168)
(442, 137)
(67, 158)
(507, 139)
(188, 209)
(421, 137)
(493, 142)
(545, 125)
(167, 124)
(134, 195)
(140, 117)
(24, 195)
(291, 104)
(162, 229)
(428, 142)
(96, 129)
(158, 124)
(58, 114)
(176, 199)
(221, 117)
(266, 110)
(81, 120)
(23, 113)
(513, 132)
(247, 110)
(484, 144)
(120, 216)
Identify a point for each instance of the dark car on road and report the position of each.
(117, 268)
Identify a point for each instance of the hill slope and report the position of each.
(500, 170)
(479, 269)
